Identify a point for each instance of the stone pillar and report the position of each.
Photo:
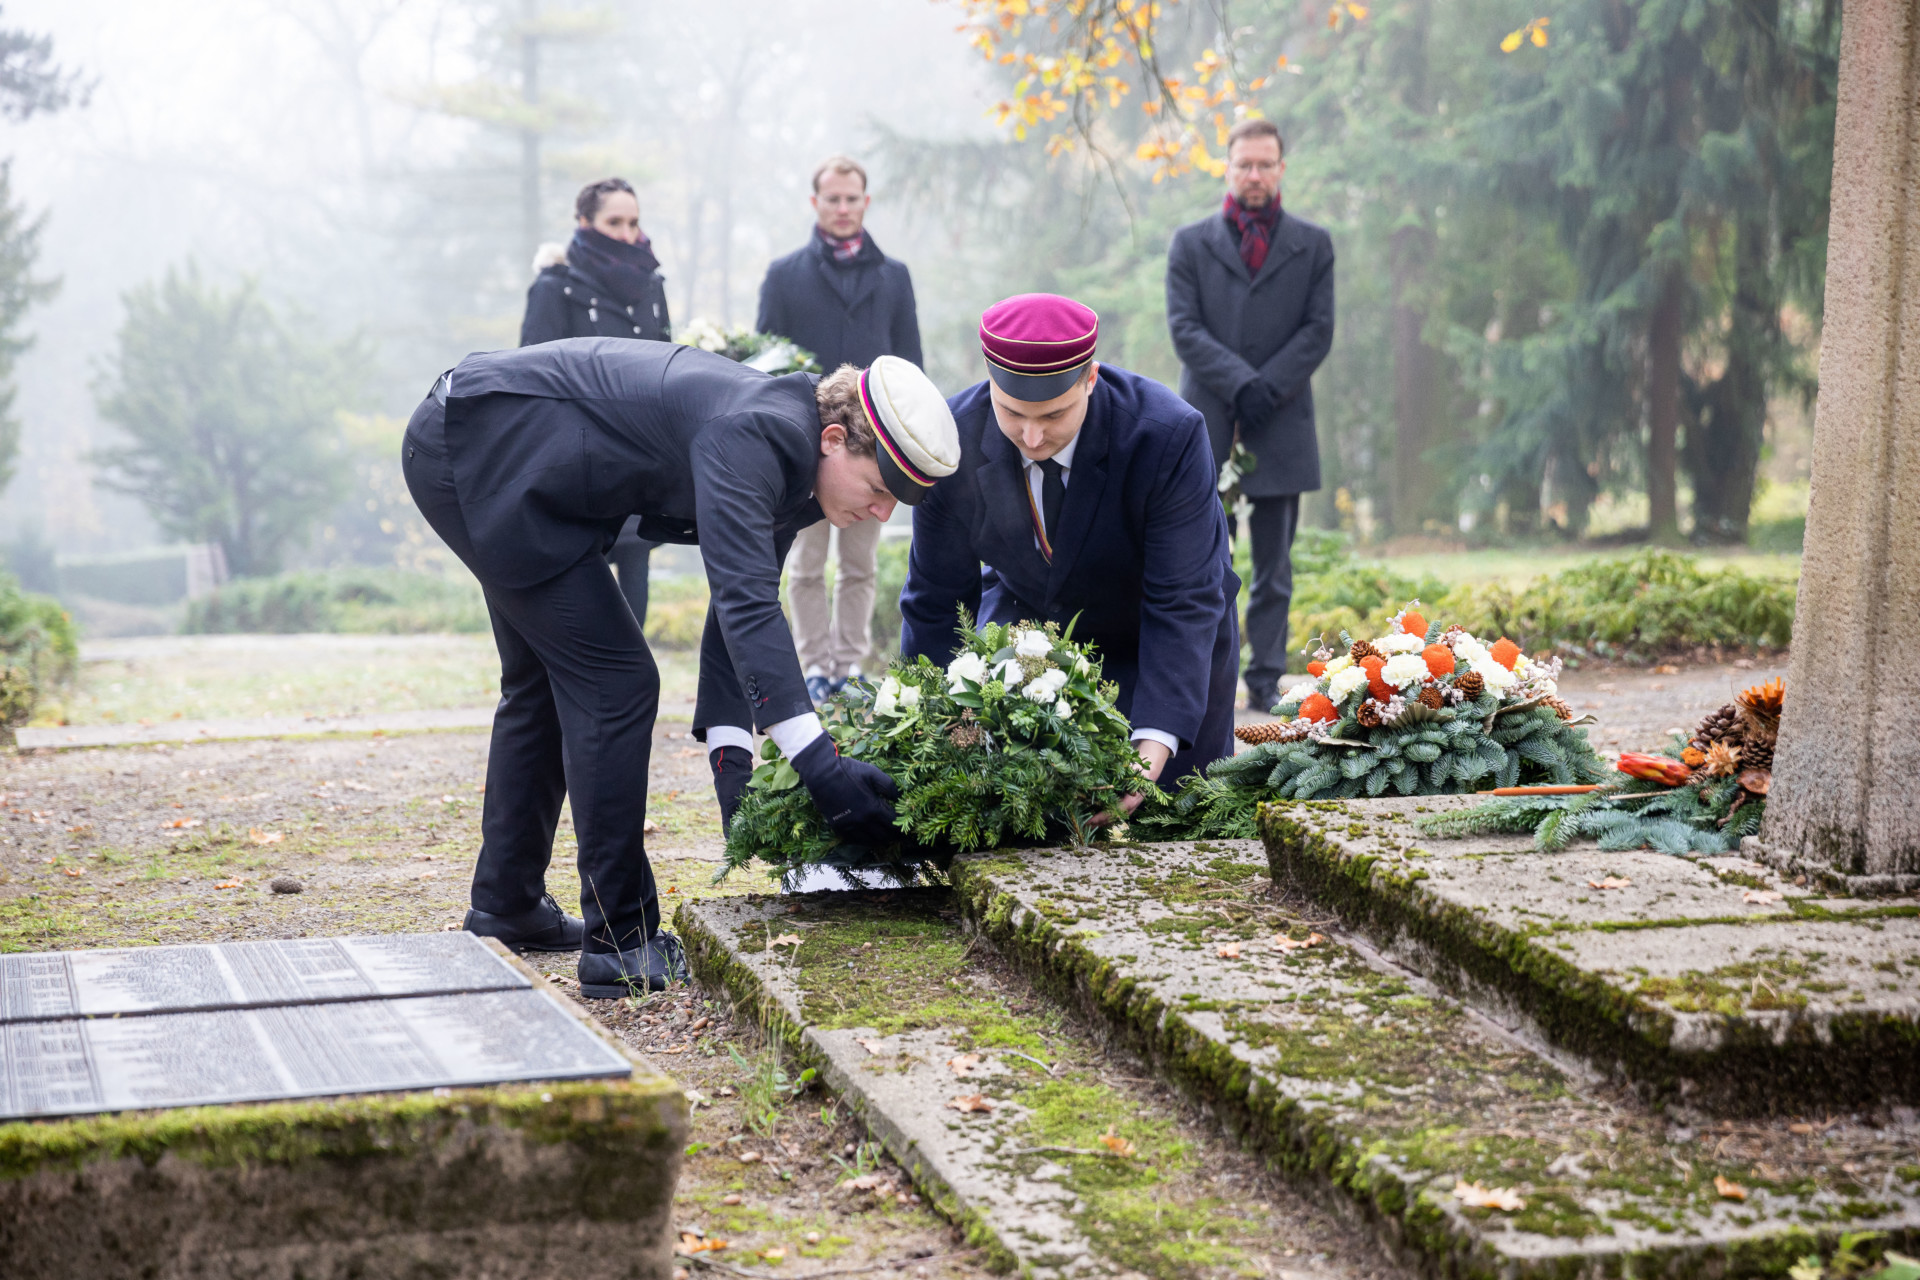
(1846, 779)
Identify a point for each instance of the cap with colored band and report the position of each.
(1038, 345)
(917, 440)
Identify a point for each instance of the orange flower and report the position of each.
(1505, 652)
(1693, 757)
(1318, 707)
(1413, 624)
(1375, 685)
(1316, 669)
(1653, 768)
(1439, 660)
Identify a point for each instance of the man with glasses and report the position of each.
(1250, 304)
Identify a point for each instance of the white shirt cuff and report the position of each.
(727, 735)
(792, 736)
(1165, 739)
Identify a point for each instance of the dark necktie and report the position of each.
(1053, 493)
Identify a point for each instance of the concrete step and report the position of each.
(1712, 981)
(1351, 1073)
(1069, 1164)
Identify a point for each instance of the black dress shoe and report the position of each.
(608, 975)
(545, 928)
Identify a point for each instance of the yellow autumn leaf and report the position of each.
(1540, 36)
(1728, 1188)
(1512, 41)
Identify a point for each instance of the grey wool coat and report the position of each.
(1230, 326)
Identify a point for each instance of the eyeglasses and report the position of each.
(1262, 167)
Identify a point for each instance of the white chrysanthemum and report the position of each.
(1063, 709)
(1399, 642)
(1345, 682)
(1498, 678)
(968, 666)
(1032, 644)
(1465, 646)
(1297, 694)
(1339, 664)
(885, 702)
(909, 696)
(1405, 669)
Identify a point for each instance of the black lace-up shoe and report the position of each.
(545, 928)
(608, 975)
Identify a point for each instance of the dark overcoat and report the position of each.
(554, 446)
(1140, 555)
(843, 312)
(1230, 326)
(564, 302)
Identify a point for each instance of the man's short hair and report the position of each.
(594, 194)
(838, 164)
(1256, 128)
(838, 399)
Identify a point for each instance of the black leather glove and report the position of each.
(1256, 403)
(732, 768)
(852, 794)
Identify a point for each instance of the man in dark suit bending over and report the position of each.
(1250, 304)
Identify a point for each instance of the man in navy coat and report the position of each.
(1086, 490)
(527, 462)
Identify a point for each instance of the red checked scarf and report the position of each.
(1256, 227)
(843, 250)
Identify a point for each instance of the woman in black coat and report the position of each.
(605, 284)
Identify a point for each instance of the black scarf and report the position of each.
(624, 272)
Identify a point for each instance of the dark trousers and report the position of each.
(629, 559)
(1271, 527)
(578, 695)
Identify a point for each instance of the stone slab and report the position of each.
(512, 1182)
(1354, 1074)
(1026, 1174)
(1712, 981)
(40, 985)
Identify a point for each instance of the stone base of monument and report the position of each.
(1715, 981)
(540, 1177)
(1355, 1074)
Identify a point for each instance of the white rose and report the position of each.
(1063, 709)
(1399, 642)
(1465, 646)
(1497, 677)
(968, 666)
(1342, 683)
(885, 702)
(1051, 680)
(909, 697)
(1038, 691)
(1033, 644)
(1009, 673)
(1338, 665)
(1404, 669)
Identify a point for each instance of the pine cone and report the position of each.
(1757, 755)
(1432, 697)
(1720, 725)
(1369, 714)
(1762, 703)
(1364, 649)
(1473, 684)
(1265, 731)
(1561, 707)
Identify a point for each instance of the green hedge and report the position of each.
(39, 649)
(384, 601)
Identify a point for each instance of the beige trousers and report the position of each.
(834, 641)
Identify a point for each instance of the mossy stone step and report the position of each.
(881, 994)
(1710, 981)
(570, 1178)
(1354, 1075)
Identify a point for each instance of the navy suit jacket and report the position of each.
(553, 446)
(1140, 555)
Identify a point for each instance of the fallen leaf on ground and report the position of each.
(871, 1046)
(1801, 1127)
(1284, 943)
(1229, 951)
(749, 1157)
(1666, 669)
(786, 940)
(72, 871)
(179, 823)
(1760, 895)
(972, 1102)
(865, 1182)
(258, 836)
(1117, 1144)
(967, 1064)
(733, 1198)
(776, 1254)
(1477, 1195)
(649, 827)
(1611, 882)
(1728, 1189)
(690, 1243)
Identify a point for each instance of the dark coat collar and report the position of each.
(865, 278)
(1220, 238)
